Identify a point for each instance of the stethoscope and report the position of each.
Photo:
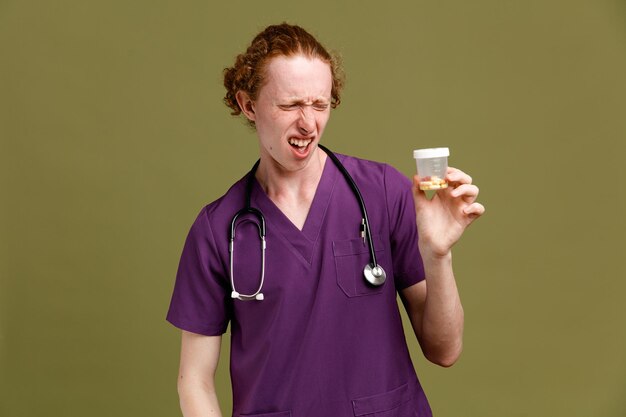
(374, 273)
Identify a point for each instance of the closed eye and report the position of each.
(319, 106)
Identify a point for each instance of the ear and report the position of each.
(245, 104)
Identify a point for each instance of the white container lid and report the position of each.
(431, 153)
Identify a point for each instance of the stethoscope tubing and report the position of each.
(374, 273)
(257, 295)
(357, 193)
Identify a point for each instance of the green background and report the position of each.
(113, 136)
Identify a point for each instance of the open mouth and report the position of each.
(300, 145)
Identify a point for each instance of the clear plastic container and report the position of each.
(432, 165)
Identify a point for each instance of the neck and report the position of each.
(278, 182)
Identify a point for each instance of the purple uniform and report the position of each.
(323, 342)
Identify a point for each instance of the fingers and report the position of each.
(474, 210)
(462, 187)
(469, 192)
(455, 175)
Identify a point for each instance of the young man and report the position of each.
(311, 336)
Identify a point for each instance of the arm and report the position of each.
(436, 314)
(434, 306)
(196, 385)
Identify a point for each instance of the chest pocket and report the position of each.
(351, 256)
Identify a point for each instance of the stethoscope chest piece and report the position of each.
(375, 276)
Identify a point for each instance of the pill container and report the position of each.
(432, 165)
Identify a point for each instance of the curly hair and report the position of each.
(276, 40)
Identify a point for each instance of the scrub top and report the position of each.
(323, 342)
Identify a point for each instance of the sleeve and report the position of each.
(408, 268)
(200, 301)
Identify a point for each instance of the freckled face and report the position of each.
(292, 109)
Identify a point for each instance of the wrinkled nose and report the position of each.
(306, 122)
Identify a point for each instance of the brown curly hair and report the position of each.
(276, 40)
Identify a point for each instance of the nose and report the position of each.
(306, 122)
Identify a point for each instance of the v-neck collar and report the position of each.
(302, 240)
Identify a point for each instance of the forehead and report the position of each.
(297, 77)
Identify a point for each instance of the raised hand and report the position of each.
(442, 220)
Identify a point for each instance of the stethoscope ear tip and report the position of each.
(260, 296)
(234, 294)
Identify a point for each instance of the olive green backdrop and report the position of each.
(113, 136)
